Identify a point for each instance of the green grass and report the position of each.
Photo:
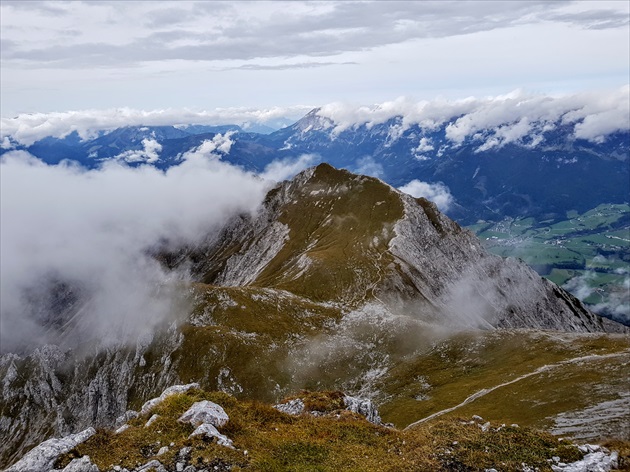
(560, 276)
(558, 249)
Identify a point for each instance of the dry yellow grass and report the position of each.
(340, 440)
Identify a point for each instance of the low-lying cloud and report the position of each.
(278, 171)
(490, 122)
(496, 121)
(438, 193)
(368, 166)
(149, 153)
(28, 128)
(614, 304)
(72, 237)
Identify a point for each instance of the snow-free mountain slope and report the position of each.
(332, 236)
(335, 281)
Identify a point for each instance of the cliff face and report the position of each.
(55, 392)
(331, 282)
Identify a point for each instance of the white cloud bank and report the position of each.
(211, 148)
(438, 193)
(31, 127)
(277, 171)
(93, 231)
(517, 117)
(497, 120)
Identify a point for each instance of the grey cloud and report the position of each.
(87, 237)
(168, 17)
(503, 119)
(177, 15)
(91, 233)
(300, 65)
(30, 127)
(437, 192)
(506, 119)
(594, 19)
(51, 8)
(234, 34)
(368, 166)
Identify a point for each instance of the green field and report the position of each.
(588, 253)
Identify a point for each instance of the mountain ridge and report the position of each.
(335, 281)
(387, 236)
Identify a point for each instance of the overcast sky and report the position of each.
(59, 56)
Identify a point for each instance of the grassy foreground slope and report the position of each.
(265, 344)
(537, 379)
(268, 440)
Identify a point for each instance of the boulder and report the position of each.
(125, 418)
(593, 462)
(364, 407)
(175, 389)
(42, 458)
(209, 430)
(205, 412)
(293, 407)
(153, 466)
(84, 464)
(151, 420)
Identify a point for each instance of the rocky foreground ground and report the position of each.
(187, 429)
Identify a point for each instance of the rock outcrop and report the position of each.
(334, 402)
(205, 412)
(42, 458)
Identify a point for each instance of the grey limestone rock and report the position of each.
(43, 457)
(600, 461)
(50, 393)
(151, 420)
(184, 452)
(205, 412)
(364, 407)
(361, 406)
(209, 430)
(83, 464)
(124, 418)
(173, 390)
(122, 429)
(153, 466)
(292, 407)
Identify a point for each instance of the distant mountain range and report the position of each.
(490, 173)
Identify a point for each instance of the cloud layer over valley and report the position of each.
(28, 128)
(72, 237)
(497, 120)
(518, 117)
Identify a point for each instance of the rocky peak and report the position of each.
(332, 236)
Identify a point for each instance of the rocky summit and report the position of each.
(347, 240)
(337, 282)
